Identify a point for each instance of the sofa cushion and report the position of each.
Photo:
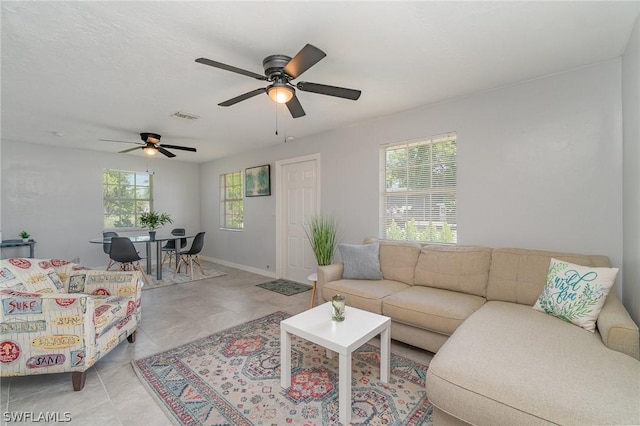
(29, 275)
(398, 260)
(576, 293)
(361, 262)
(363, 294)
(510, 364)
(518, 275)
(459, 268)
(433, 309)
(65, 270)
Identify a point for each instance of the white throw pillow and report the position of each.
(361, 262)
(576, 293)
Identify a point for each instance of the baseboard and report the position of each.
(251, 269)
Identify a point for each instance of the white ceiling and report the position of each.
(74, 72)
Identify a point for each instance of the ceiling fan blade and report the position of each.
(304, 59)
(226, 67)
(165, 152)
(243, 97)
(111, 140)
(184, 148)
(295, 108)
(129, 150)
(323, 89)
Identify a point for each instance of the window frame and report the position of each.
(440, 183)
(228, 205)
(136, 200)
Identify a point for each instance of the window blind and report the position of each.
(231, 202)
(418, 197)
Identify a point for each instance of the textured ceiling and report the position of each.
(75, 72)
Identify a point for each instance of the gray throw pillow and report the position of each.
(361, 262)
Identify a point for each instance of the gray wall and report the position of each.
(631, 106)
(539, 166)
(56, 195)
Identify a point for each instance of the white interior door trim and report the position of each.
(280, 195)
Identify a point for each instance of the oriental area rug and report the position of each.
(233, 378)
(286, 287)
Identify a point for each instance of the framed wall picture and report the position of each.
(257, 181)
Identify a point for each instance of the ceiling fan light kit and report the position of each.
(280, 93)
(280, 70)
(149, 150)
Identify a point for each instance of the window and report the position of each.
(418, 197)
(125, 196)
(231, 203)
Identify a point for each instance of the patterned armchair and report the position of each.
(58, 316)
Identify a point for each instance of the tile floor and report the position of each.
(171, 316)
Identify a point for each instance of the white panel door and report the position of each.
(300, 181)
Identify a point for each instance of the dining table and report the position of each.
(148, 240)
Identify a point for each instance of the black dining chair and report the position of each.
(106, 247)
(169, 248)
(124, 253)
(187, 257)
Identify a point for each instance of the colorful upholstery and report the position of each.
(75, 317)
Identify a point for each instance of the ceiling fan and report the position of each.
(280, 70)
(150, 145)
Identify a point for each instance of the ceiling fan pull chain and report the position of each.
(276, 118)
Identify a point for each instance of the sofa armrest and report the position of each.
(55, 331)
(106, 283)
(617, 329)
(326, 274)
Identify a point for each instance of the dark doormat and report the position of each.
(286, 287)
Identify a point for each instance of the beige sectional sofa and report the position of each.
(498, 361)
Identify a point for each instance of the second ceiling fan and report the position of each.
(280, 70)
(151, 145)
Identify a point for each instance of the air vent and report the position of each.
(186, 115)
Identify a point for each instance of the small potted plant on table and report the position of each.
(25, 236)
(154, 220)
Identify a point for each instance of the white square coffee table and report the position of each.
(343, 337)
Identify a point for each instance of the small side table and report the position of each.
(315, 325)
(20, 243)
(314, 278)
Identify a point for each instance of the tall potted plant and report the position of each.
(154, 220)
(322, 233)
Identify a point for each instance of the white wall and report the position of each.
(631, 107)
(539, 166)
(56, 195)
